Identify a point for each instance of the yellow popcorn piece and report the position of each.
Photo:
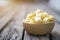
(51, 18)
(38, 20)
(27, 20)
(32, 21)
(38, 11)
(31, 15)
(44, 14)
(45, 20)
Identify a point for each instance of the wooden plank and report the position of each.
(31, 37)
(55, 36)
(5, 18)
(12, 32)
(14, 29)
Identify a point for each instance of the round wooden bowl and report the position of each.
(38, 29)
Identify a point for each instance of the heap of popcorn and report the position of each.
(39, 17)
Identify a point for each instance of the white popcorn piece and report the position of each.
(38, 15)
(29, 15)
(31, 21)
(38, 11)
(45, 19)
(51, 18)
(38, 19)
(44, 14)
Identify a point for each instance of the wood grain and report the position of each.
(6, 17)
(31, 37)
(14, 29)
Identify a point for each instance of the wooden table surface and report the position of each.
(14, 28)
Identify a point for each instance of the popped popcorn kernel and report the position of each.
(39, 17)
(51, 18)
(45, 20)
(38, 11)
(44, 14)
(38, 20)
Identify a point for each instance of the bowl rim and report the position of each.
(38, 23)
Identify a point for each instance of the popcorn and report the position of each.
(27, 20)
(51, 18)
(44, 14)
(38, 11)
(39, 17)
(31, 21)
(31, 15)
(38, 20)
(45, 20)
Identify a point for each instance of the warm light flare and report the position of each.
(3, 2)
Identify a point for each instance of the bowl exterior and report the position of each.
(38, 29)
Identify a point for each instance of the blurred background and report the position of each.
(8, 8)
(51, 6)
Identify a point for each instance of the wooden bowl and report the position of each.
(38, 29)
